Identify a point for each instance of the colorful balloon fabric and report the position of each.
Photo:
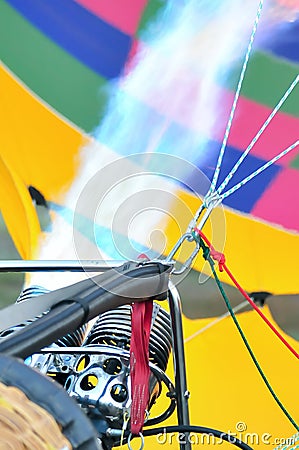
(60, 63)
(66, 55)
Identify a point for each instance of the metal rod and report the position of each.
(58, 265)
(182, 393)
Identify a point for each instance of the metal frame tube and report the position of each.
(182, 393)
(58, 265)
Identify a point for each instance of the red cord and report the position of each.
(222, 266)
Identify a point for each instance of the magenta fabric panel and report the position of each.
(123, 14)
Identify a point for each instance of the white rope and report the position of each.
(258, 135)
(237, 94)
(258, 171)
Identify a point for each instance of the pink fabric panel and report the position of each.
(279, 204)
(123, 14)
(249, 117)
(280, 133)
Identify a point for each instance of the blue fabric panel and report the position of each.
(245, 198)
(284, 41)
(100, 46)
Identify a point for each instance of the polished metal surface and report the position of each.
(95, 387)
(96, 373)
(114, 328)
(58, 265)
(182, 393)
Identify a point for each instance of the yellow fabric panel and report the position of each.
(260, 256)
(226, 388)
(18, 211)
(223, 379)
(40, 146)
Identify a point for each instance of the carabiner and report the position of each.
(188, 262)
(184, 237)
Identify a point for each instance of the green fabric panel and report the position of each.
(266, 80)
(63, 82)
(80, 95)
(149, 15)
(295, 163)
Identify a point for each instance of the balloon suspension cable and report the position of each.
(210, 202)
(258, 134)
(258, 171)
(237, 94)
(214, 197)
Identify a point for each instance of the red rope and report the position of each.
(217, 256)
